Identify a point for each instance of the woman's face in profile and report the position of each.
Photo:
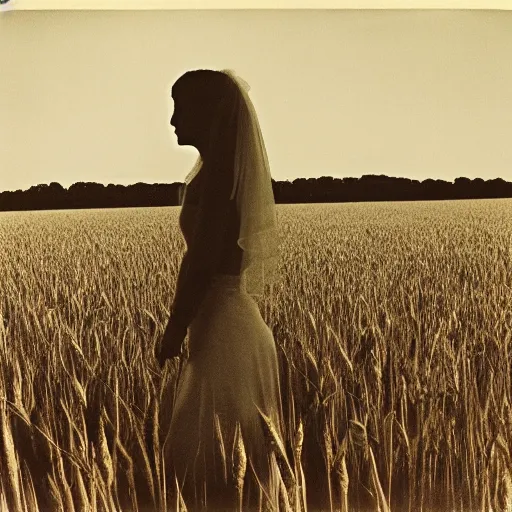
(181, 120)
(192, 118)
(189, 119)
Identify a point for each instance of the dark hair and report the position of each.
(206, 86)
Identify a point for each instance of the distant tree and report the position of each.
(57, 187)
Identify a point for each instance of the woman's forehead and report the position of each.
(178, 91)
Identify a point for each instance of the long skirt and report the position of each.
(231, 371)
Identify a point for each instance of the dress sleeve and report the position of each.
(202, 258)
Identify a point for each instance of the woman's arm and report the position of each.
(179, 286)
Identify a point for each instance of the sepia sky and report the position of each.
(85, 95)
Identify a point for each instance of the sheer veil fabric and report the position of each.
(252, 186)
(232, 368)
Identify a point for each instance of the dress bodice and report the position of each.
(231, 253)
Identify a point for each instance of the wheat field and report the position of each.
(393, 323)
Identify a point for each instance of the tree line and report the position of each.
(301, 190)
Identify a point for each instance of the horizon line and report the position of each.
(290, 180)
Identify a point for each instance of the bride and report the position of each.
(228, 221)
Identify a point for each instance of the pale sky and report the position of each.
(85, 95)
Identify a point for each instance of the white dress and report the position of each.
(232, 368)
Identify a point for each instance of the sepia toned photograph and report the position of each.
(255, 259)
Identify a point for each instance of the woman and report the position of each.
(228, 220)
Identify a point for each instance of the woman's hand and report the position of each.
(171, 343)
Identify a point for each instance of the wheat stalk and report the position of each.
(220, 444)
(105, 460)
(9, 478)
(340, 467)
(275, 443)
(239, 458)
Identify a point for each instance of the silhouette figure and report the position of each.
(228, 222)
